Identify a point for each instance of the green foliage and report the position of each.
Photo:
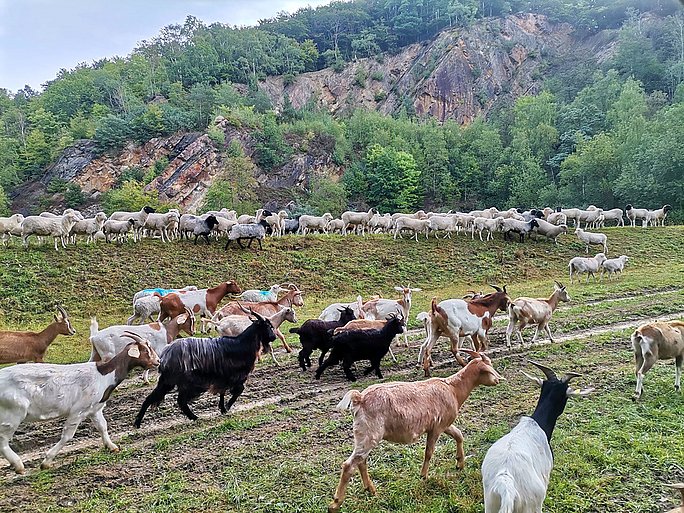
(326, 196)
(393, 179)
(73, 196)
(360, 77)
(271, 149)
(112, 132)
(235, 187)
(4, 203)
(379, 95)
(377, 75)
(131, 197)
(217, 135)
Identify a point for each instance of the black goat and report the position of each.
(217, 365)
(316, 334)
(354, 345)
(203, 227)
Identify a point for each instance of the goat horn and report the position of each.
(547, 371)
(569, 376)
(133, 336)
(472, 354)
(62, 311)
(495, 288)
(248, 312)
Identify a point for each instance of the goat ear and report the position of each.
(399, 289)
(182, 318)
(133, 351)
(580, 393)
(416, 290)
(536, 380)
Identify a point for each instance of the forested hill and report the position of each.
(396, 104)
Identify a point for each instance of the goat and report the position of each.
(354, 345)
(379, 309)
(28, 346)
(217, 365)
(202, 301)
(108, 342)
(315, 334)
(522, 228)
(658, 341)
(39, 392)
(332, 312)
(592, 238)
(633, 214)
(307, 222)
(516, 468)
(160, 292)
(458, 318)
(613, 266)
(119, 228)
(57, 227)
(550, 231)
(251, 232)
(262, 295)
(579, 265)
(139, 219)
(524, 311)
(401, 412)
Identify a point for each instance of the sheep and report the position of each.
(526, 311)
(307, 222)
(39, 392)
(199, 365)
(658, 341)
(550, 231)
(118, 229)
(614, 214)
(491, 225)
(572, 213)
(108, 342)
(636, 213)
(488, 213)
(401, 412)
(251, 232)
(412, 225)
(332, 312)
(315, 334)
(522, 228)
(613, 266)
(89, 227)
(58, 227)
(28, 346)
(10, 226)
(186, 225)
(203, 228)
(139, 219)
(464, 221)
(557, 218)
(380, 308)
(446, 223)
(657, 217)
(275, 221)
(262, 295)
(579, 265)
(163, 223)
(356, 219)
(516, 468)
(335, 226)
(592, 238)
(351, 346)
(378, 223)
(590, 217)
(291, 226)
(253, 219)
(144, 308)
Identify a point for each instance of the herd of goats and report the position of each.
(515, 470)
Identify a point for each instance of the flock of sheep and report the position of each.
(515, 470)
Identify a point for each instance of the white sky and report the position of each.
(39, 37)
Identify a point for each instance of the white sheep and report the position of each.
(355, 219)
(634, 214)
(139, 219)
(411, 225)
(446, 223)
(118, 229)
(165, 224)
(10, 226)
(145, 308)
(491, 225)
(309, 223)
(592, 238)
(549, 230)
(579, 265)
(614, 214)
(57, 227)
(88, 227)
(335, 226)
(613, 266)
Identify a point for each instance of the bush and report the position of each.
(4, 203)
(360, 77)
(135, 173)
(131, 197)
(73, 196)
(326, 196)
(338, 66)
(57, 185)
(289, 79)
(217, 135)
(377, 75)
(380, 95)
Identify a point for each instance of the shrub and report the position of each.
(377, 75)
(360, 77)
(289, 79)
(73, 196)
(326, 196)
(379, 95)
(131, 197)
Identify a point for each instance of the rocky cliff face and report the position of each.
(461, 74)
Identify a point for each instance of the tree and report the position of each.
(393, 179)
(235, 186)
(131, 197)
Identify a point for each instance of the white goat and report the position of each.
(592, 238)
(579, 265)
(262, 295)
(658, 341)
(145, 308)
(613, 266)
(526, 311)
(383, 309)
(42, 391)
(332, 312)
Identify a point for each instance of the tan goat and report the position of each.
(401, 412)
(527, 311)
(29, 346)
(658, 341)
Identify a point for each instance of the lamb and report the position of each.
(118, 229)
(28, 346)
(89, 227)
(262, 295)
(163, 223)
(39, 392)
(412, 225)
(401, 412)
(139, 219)
(145, 308)
(335, 226)
(613, 266)
(526, 311)
(356, 219)
(251, 232)
(307, 222)
(58, 227)
(658, 341)
(315, 334)
(10, 226)
(516, 468)
(592, 238)
(219, 365)
(351, 346)
(550, 231)
(522, 228)
(636, 213)
(579, 265)
(108, 342)
(203, 227)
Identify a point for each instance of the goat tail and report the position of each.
(504, 487)
(350, 398)
(94, 355)
(94, 328)
(294, 330)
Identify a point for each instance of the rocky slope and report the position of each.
(461, 74)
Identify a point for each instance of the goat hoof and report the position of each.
(45, 465)
(334, 507)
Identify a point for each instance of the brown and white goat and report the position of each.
(402, 412)
(379, 309)
(202, 301)
(29, 346)
(527, 311)
(658, 341)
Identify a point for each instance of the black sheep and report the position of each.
(217, 365)
(354, 345)
(317, 334)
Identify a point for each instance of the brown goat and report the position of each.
(203, 301)
(29, 346)
(401, 412)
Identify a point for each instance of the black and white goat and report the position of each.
(516, 469)
(198, 365)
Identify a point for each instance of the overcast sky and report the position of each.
(39, 37)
